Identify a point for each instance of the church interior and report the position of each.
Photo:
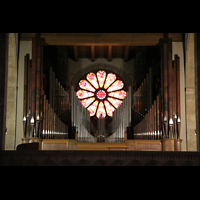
(99, 99)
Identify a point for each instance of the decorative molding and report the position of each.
(98, 158)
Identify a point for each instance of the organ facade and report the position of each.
(117, 95)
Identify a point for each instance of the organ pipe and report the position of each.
(162, 119)
(42, 117)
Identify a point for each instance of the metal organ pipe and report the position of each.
(80, 119)
(43, 117)
(121, 120)
(161, 119)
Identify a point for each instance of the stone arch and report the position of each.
(100, 163)
(65, 163)
(104, 66)
(117, 163)
(49, 163)
(83, 163)
(135, 163)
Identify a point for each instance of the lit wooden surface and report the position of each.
(102, 39)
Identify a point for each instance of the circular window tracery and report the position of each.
(101, 93)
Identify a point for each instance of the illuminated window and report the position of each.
(101, 93)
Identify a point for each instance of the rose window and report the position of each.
(101, 93)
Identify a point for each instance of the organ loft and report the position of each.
(107, 93)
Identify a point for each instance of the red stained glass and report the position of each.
(101, 110)
(115, 102)
(101, 75)
(109, 80)
(117, 85)
(108, 95)
(92, 108)
(101, 94)
(93, 80)
(81, 94)
(87, 102)
(85, 85)
(109, 109)
(118, 94)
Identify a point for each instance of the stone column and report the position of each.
(10, 143)
(190, 94)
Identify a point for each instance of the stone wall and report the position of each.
(11, 91)
(24, 48)
(190, 94)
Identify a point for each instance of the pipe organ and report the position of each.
(44, 115)
(49, 109)
(162, 119)
(121, 120)
(101, 129)
(80, 118)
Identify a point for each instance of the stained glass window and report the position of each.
(101, 110)
(93, 80)
(101, 93)
(118, 94)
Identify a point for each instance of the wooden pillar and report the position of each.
(29, 99)
(38, 81)
(41, 91)
(170, 84)
(44, 122)
(25, 108)
(178, 93)
(33, 82)
(165, 85)
(174, 99)
(150, 87)
(158, 115)
(155, 120)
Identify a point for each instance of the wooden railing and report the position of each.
(98, 158)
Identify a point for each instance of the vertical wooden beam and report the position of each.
(53, 90)
(150, 87)
(155, 120)
(41, 89)
(25, 108)
(76, 53)
(165, 84)
(28, 97)
(93, 53)
(44, 121)
(38, 81)
(174, 97)
(46, 125)
(162, 84)
(126, 53)
(170, 81)
(33, 77)
(158, 115)
(178, 92)
(109, 53)
(50, 86)
(30, 88)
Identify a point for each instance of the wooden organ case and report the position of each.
(156, 124)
